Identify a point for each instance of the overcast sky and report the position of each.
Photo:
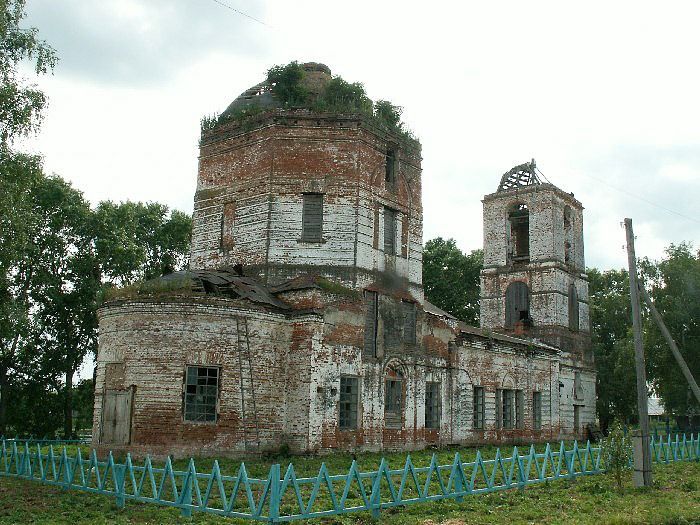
(604, 95)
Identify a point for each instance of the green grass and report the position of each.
(675, 499)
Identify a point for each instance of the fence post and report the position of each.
(186, 496)
(120, 471)
(275, 493)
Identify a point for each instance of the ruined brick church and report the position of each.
(301, 321)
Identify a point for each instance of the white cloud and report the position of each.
(603, 95)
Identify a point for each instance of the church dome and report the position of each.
(261, 95)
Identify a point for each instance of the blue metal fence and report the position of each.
(288, 497)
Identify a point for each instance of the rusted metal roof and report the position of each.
(226, 283)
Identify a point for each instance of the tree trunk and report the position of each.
(4, 384)
(68, 406)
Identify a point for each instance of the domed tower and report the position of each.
(289, 190)
(534, 285)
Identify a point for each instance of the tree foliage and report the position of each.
(674, 285)
(610, 316)
(60, 254)
(451, 278)
(21, 103)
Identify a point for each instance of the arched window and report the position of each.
(517, 304)
(573, 308)
(519, 221)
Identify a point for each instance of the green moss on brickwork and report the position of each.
(151, 288)
(337, 288)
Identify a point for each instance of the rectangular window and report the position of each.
(537, 410)
(479, 412)
(508, 409)
(519, 408)
(312, 217)
(371, 301)
(577, 418)
(409, 322)
(201, 393)
(389, 231)
(347, 412)
(393, 403)
(432, 405)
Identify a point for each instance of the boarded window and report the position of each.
(370, 323)
(432, 405)
(517, 304)
(201, 393)
(537, 410)
(390, 174)
(409, 322)
(389, 231)
(393, 403)
(573, 308)
(228, 216)
(312, 218)
(479, 410)
(578, 386)
(347, 412)
(519, 218)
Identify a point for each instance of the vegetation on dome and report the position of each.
(337, 96)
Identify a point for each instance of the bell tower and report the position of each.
(533, 284)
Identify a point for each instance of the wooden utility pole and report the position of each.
(671, 343)
(642, 467)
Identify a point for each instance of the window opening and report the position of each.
(578, 385)
(227, 224)
(517, 304)
(509, 409)
(201, 393)
(390, 167)
(347, 413)
(389, 231)
(432, 405)
(519, 218)
(409, 322)
(312, 217)
(568, 235)
(479, 411)
(577, 418)
(393, 399)
(371, 311)
(537, 410)
(573, 308)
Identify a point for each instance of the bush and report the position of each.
(616, 450)
(286, 84)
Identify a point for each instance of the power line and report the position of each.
(625, 192)
(240, 12)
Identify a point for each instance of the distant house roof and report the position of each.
(655, 407)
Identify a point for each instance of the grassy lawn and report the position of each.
(592, 499)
